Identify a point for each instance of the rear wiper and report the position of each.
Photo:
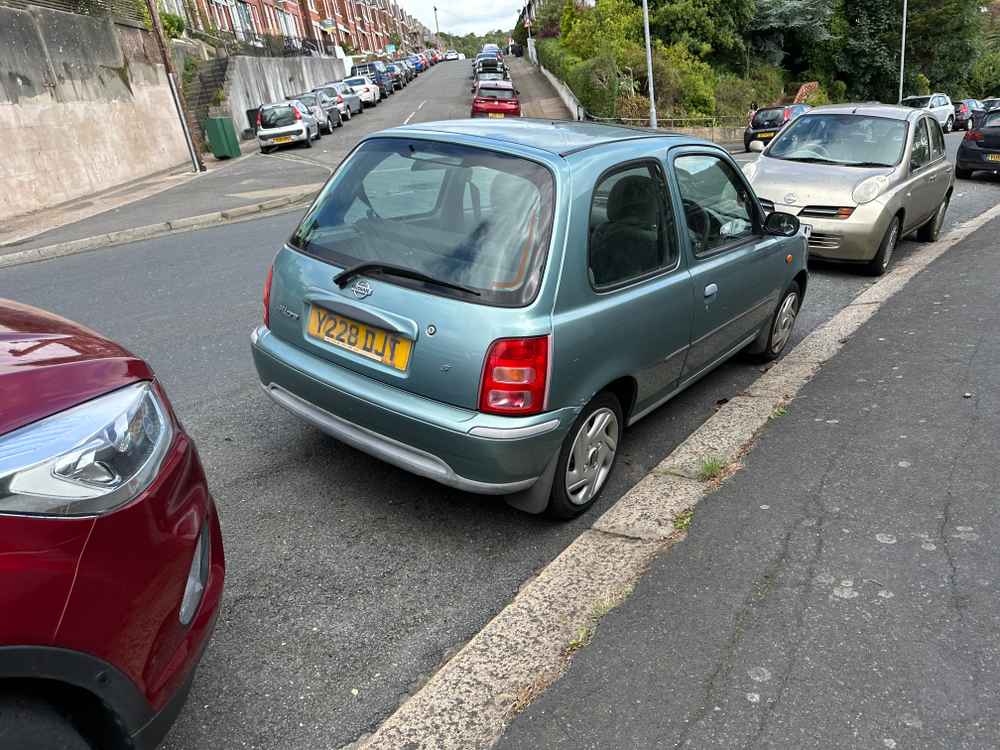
(388, 269)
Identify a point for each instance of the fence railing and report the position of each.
(265, 45)
(722, 121)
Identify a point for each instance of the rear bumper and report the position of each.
(975, 159)
(473, 452)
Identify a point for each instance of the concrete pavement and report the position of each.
(841, 590)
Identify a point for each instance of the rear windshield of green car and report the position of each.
(277, 117)
(465, 216)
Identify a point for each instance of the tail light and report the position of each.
(340, 99)
(298, 115)
(258, 120)
(973, 135)
(964, 108)
(267, 298)
(786, 114)
(515, 376)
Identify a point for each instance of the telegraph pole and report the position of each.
(437, 29)
(192, 140)
(649, 65)
(902, 55)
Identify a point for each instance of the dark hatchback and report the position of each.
(979, 150)
(969, 114)
(767, 122)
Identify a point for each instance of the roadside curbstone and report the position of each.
(195, 222)
(275, 203)
(235, 213)
(648, 509)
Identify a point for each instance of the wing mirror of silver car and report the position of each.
(756, 146)
(781, 224)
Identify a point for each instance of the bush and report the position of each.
(173, 25)
(596, 83)
(818, 97)
(921, 85)
(838, 92)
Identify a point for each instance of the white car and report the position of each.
(366, 89)
(937, 104)
(451, 55)
(285, 123)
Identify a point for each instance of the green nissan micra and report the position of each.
(490, 303)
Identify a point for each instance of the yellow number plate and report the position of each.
(496, 115)
(368, 341)
(765, 135)
(992, 157)
(283, 139)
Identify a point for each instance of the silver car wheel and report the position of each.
(891, 246)
(784, 322)
(592, 456)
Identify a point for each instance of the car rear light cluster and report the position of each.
(267, 297)
(787, 114)
(974, 135)
(298, 115)
(515, 376)
(258, 119)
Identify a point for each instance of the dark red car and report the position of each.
(111, 562)
(497, 99)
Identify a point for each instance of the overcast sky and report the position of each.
(461, 17)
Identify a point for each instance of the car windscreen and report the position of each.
(355, 82)
(768, 118)
(461, 215)
(845, 139)
(501, 94)
(992, 120)
(277, 117)
(488, 76)
(991, 103)
(917, 102)
(308, 99)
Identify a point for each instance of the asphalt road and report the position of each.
(349, 580)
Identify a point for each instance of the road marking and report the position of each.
(470, 701)
(421, 105)
(407, 120)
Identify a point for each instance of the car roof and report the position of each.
(868, 109)
(271, 105)
(560, 137)
(497, 84)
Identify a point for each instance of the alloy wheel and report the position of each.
(784, 322)
(592, 456)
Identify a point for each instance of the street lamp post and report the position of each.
(649, 65)
(902, 55)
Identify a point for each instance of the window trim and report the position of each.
(657, 169)
(914, 170)
(758, 217)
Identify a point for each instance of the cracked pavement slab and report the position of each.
(842, 589)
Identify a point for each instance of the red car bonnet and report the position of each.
(48, 364)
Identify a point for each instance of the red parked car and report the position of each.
(496, 99)
(111, 562)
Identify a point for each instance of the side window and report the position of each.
(631, 227)
(718, 207)
(937, 140)
(920, 153)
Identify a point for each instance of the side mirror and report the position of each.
(756, 146)
(517, 92)
(781, 224)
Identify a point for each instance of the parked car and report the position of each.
(283, 123)
(398, 76)
(968, 114)
(767, 122)
(442, 308)
(488, 76)
(992, 103)
(113, 559)
(409, 72)
(348, 101)
(366, 89)
(377, 72)
(496, 100)
(418, 62)
(451, 55)
(324, 106)
(862, 176)
(938, 105)
(979, 150)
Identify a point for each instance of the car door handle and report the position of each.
(711, 290)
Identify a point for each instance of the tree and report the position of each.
(711, 29)
(607, 28)
(865, 48)
(787, 32)
(944, 39)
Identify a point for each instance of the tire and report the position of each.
(30, 724)
(319, 131)
(597, 453)
(266, 149)
(779, 330)
(950, 125)
(309, 140)
(963, 174)
(968, 124)
(930, 231)
(349, 113)
(880, 263)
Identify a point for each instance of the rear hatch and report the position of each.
(768, 119)
(991, 132)
(455, 240)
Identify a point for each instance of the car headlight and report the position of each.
(86, 460)
(870, 189)
(750, 170)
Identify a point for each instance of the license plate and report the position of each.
(368, 341)
(283, 139)
(992, 157)
(763, 136)
(496, 115)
